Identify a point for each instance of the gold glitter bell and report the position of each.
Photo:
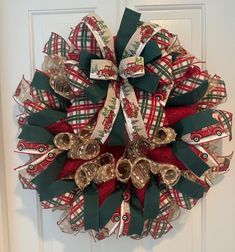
(85, 174)
(123, 170)
(64, 140)
(170, 174)
(140, 172)
(106, 171)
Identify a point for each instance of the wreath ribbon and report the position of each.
(131, 65)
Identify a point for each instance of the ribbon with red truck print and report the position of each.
(111, 92)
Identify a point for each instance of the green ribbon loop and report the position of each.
(41, 81)
(149, 82)
(97, 91)
(195, 122)
(91, 207)
(190, 188)
(45, 117)
(136, 216)
(190, 159)
(85, 60)
(151, 52)
(56, 189)
(36, 135)
(127, 28)
(191, 97)
(49, 175)
(108, 208)
(152, 199)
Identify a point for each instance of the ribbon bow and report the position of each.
(130, 44)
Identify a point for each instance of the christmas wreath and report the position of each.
(120, 131)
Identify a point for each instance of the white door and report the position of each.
(205, 28)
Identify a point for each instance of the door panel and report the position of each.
(25, 27)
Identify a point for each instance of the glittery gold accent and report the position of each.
(164, 136)
(136, 147)
(53, 64)
(64, 140)
(60, 84)
(174, 212)
(170, 174)
(141, 172)
(85, 174)
(106, 171)
(85, 150)
(123, 170)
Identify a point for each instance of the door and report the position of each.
(205, 28)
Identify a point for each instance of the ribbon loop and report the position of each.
(132, 67)
(102, 69)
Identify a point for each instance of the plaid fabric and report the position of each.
(22, 92)
(159, 227)
(78, 80)
(215, 95)
(81, 112)
(33, 107)
(181, 66)
(225, 119)
(56, 45)
(26, 184)
(82, 39)
(189, 84)
(163, 68)
(47, 98)
(163, 38)
(151, 111)
(77, 211)
(165, 203)
(61, 200)
(182, 200)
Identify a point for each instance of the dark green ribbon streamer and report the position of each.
(190, 97)
(190, 188)
(195, 122)
(91, 207)
(108, 208)
(41, 81)
(136, 216)
(97, 91)
(118, 132)
(152, 199)
(149, 82)
(45, 117)
(49, 175)
(151, 52)
(85, 60)
(56, 189)
(127, 28)
(190, 159)
(36, 135)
